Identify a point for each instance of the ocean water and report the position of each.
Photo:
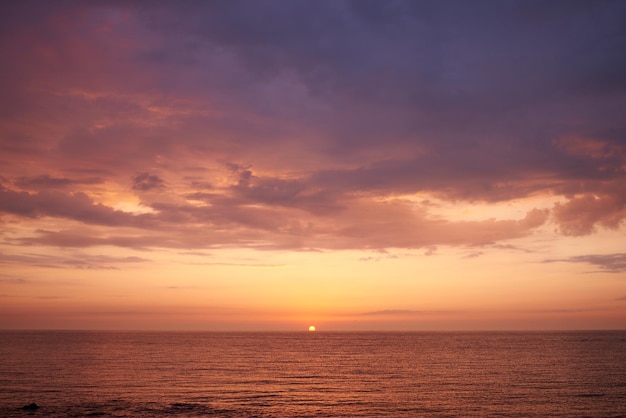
(146, 374)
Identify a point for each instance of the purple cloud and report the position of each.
(287, 126)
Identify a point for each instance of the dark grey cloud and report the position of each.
(495, 80)
(455, 62)
(413, 71)
(612, 263)
(146, 181)
(289, 193)
(201, 185)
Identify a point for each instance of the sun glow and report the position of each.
(312, 328)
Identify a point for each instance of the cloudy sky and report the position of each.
(244, 165)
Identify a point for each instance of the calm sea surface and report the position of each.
(313, 374)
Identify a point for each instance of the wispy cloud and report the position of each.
(613, 263)
(182, 287)
(79, 261)
(473, 254)
(410, 312)
(225, 264)
(45, 181)
(13, 280)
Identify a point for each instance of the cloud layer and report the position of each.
(301, 125)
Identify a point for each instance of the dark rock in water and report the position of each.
(30, 407)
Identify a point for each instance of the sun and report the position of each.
(312, 328)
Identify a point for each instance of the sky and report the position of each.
(275, 164)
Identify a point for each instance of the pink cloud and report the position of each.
(580, 215)
(75, 206)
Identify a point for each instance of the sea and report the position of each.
(312, 374)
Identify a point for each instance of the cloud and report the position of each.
(621, 298)
(564, 310)
(510, 247)
(580, 215)
(76, 206)
(473, 254)
(398, 224)
(182, 287)
(147, 181)
(287, 192)
(201, 185)
(361, 224)
(369, 258)
(12, 280)
(78, 261)
(393, 312)
(240, 265)
(45, 181)
(612, 263)
(306, 136)
(408, 312)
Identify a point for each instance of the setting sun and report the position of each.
(312, 328)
